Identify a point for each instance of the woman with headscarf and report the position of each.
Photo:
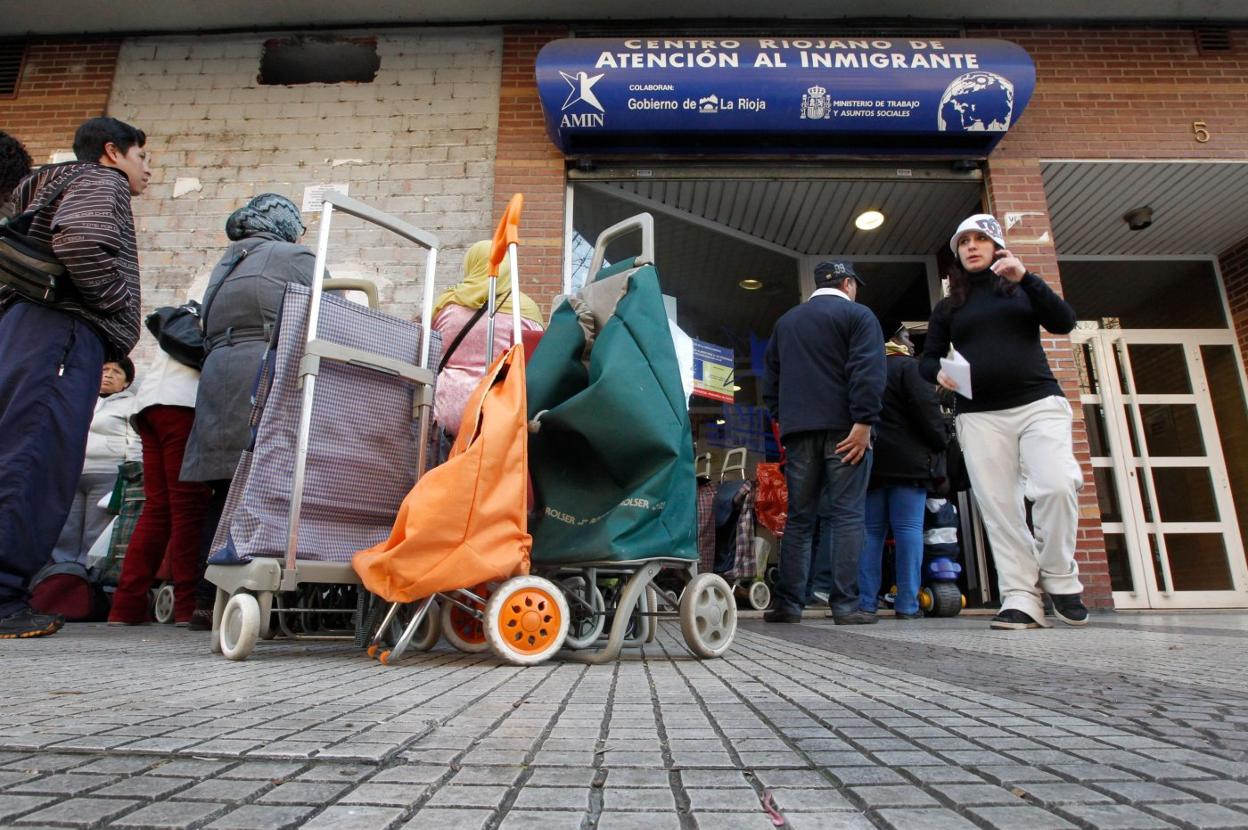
(240, 308)
(459, 317)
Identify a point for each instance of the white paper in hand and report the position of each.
(956, 367)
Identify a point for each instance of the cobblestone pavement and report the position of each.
(1138, 721)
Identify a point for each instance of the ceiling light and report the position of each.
(736, 388)
(719, 422)
(751, 285)
(1139, 218)
(869, 220)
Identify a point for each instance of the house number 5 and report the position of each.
(1200, 129)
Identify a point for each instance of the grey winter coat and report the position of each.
(240, 308)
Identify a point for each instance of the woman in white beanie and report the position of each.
(1015, 430)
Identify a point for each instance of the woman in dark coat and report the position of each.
(909, 446)
(240, 309)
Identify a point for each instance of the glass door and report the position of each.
(1163, 410)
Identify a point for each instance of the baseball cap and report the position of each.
(985, 223)
(834, 270)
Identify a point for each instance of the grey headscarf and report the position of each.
(267, 213)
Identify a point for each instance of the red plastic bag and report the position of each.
(771, 508)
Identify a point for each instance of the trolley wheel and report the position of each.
(652, 607)
(461, 629)
(240, 626)
(708, 615)
(587, 615)
(163, 605)
(941, 599)
(372, 649)
(759, 596)
(526, 620)
(427, 633)
(218, 612)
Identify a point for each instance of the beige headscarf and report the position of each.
(474, 291)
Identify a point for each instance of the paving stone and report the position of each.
(1053, 794)
(80, 812)
(551, 798)
(890, 795)
(304, 792)
(225, 791)
(1146, 792)
(146, 787)
(1223, 792)
(634, 799)
(63, 784)
(806, 779)
(444, 818)
(850, 776)
(15, 805)
(540, 777)
(193, 768)
(356, 818)
(733, 821)
(263, 817)
(256, 770)
(1018, 818)
(1113, 817)
(407, 774)
(637, 778)
(719, 800)
(172, 814)
(829, 821)
(638, 821)
(790, 799)
(968, 795)
(1205, 816)
(713, 779)
(454, 795)
(121, 765)
(542, 820)
(923, 820)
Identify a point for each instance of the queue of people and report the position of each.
(858, 416)
(863, 432)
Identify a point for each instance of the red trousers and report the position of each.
(170, 524)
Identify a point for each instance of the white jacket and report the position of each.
(112, 439)
(168, 383)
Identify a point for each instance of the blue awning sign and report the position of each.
(815, 95)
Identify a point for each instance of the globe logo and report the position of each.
(976, 102)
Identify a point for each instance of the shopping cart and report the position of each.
(341, 430)
(612, 464)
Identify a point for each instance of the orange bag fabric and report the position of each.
(771, 508)
(465, 522)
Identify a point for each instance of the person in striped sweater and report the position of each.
(51, 355)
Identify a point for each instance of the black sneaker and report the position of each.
(779, 615)
(1011, 619)
(856, 618)
(27, 623)
(1069, 608)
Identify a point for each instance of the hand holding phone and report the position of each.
(1005, 264)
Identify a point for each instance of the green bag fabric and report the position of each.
(612, 462)
(127, 503)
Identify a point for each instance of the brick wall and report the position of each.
(528, 163)
(1234, 264)
(417, 142)
(63, 83)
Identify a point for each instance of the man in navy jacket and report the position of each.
(824, 384)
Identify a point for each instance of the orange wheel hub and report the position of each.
(529, 620)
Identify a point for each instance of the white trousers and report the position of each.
(1026, 452)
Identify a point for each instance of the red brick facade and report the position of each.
(63, 83)
(1102, 93)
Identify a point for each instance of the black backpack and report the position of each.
(28, 266)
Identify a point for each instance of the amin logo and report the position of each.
(582, 92)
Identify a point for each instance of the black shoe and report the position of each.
(201, 620)
(779, 615)
(1069, 608)
(918, 615)
(27, 623)
(1011, 619)
(856, 618)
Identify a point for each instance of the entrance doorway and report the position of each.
(1167, 429)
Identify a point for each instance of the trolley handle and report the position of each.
(643, 222)
(368, 287)
(505, 242)
(370, 214)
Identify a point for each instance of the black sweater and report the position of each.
(911, 436)
(999, 336)
(824, 366)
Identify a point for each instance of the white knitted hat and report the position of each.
(985, 223)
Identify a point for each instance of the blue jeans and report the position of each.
(901, 507)
(820, 578)
(813, 465)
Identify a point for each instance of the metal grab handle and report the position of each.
(353, 284)
(643, 222)
(370, 214)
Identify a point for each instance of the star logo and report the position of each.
(582, 89)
